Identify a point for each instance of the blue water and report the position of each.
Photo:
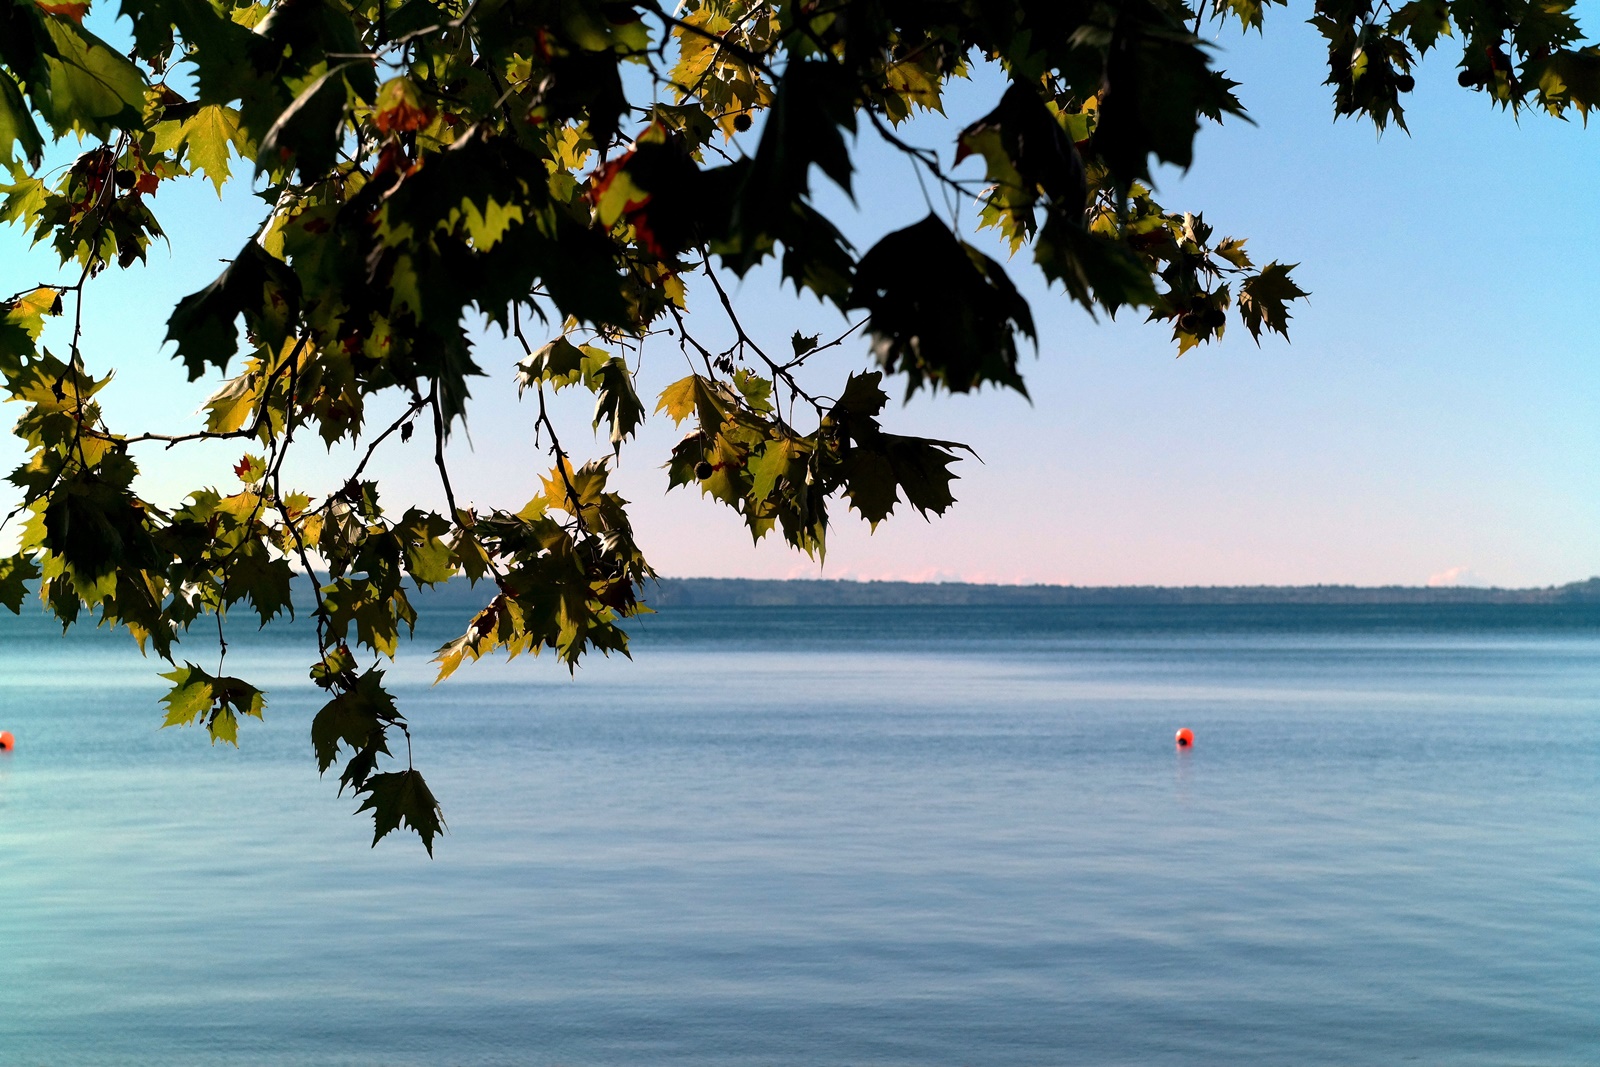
(813, 837)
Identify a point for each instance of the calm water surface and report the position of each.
(820, 837)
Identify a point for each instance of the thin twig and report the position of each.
(444, 473)
(777, 368)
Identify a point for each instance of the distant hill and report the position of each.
(749, 592)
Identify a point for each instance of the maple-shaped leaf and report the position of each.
(1158, 83)
(356, 717)
(1026, 153)
(1097, 269)
(1248, 12)
(870, 484)
(1423, 21)
(690, 395)
(576, 491)
(376, 613)
(21, 323)
(14, 570)
(1264, 299)
(941, 312)
(616, 403)
(250, 469)
(922, 467)
(215, 702)
(252, 573)
(209, 135)
(262, 289)
(677, 399)
(97, 526)
(429, 560)
(863, 396)
(812, 110)
(402, 798)
(560, 363)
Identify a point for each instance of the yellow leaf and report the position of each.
(210, 134)
(230, 407)
(677, 399)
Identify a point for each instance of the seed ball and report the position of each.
(125, 179)
(1189, 322)
(741, 122)
(1405, 83)
(1215, 317)
(1466, 79)
(702, 470)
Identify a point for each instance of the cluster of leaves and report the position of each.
(744, 454)
(431, 163)
(1523, 55)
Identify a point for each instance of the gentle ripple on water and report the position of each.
(819, 837)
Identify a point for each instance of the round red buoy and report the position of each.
(7, 742)
(1185, 738)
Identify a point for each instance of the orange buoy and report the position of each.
(7, 742)
(1185, 738)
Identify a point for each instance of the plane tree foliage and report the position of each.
(568, 172)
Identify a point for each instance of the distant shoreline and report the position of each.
(753, 592)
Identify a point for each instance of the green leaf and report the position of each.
(616, 403)
(922, 467)
(561, 363)
(210, 134)
(690, 395)
(88, 85)
(1248, 12)
(402, 797)
(17, 127)
(377, 614)
(1158, 84)
(98, 528)
(1423, 21)
(306, 135)
(356, 717)
(1232, 250)
(14, 570)
(813, 108)
(771, 463)
(1264, 299)
(21, 323)
(678, 399)
(256, 286)
(942, 312)
(216, 703)
(870, 484)
(1027, 153)
(251, 572)
(429, 560)
(1095, 269)
(863, 395)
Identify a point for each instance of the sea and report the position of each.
(832, 836)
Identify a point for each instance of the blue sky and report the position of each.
(1435, 416)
